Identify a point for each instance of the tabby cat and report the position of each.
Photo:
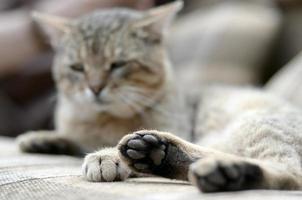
(114, 77)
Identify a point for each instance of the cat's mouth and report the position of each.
(101, 101)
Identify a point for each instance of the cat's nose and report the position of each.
(96, 89)
(96, 82)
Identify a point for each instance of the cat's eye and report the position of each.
(77, 67)
(116, 65)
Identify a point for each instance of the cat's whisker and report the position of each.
(129, 103)
(138, 90)
(133, 105)
(144, 92)
(145, 101)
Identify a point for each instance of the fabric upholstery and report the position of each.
(46, 177)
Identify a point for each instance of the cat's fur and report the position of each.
(244, 138)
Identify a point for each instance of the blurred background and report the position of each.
(238, 42)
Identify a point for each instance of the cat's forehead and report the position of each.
(97, 32)
(106, 22)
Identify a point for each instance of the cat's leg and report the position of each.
(216, 174)
(105, 165)
(163, 154)
(48, 142)
(265, 155)
(160, 153)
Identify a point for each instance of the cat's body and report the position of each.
(119, 80)
(92, 129)
(245, 139)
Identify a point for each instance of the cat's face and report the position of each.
(111, 61)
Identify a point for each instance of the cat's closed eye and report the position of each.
(78, 67)
(116, 65)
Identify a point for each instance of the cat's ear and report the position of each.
(158, 19)
(53, 26)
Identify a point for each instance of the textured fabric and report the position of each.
(35, 176)
(45, 177)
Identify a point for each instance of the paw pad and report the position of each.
(212, 175)
(145, 152)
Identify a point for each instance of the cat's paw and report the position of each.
(154, 152)
(104, 166)
(145, 152)
(46, 142)
(217, 175)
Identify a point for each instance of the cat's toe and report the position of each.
(104, 167)
(144, 152)
(217, 175)
(91, 168)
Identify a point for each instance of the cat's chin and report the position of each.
(114, 109)
(121, 112)
(110, 109)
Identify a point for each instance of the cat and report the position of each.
(114, 77)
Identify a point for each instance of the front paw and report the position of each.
(47, 142)
(218, 175)
(144, 151)
(156, 153)
(104, 166)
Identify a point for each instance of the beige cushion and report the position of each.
(46, 177)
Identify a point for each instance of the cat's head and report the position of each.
(111, 60)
